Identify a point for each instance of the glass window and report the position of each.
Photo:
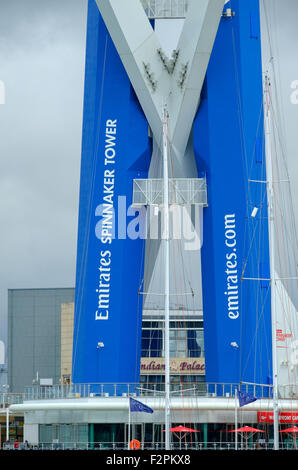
(183, 343)
(195, 343)
(151, 343)
(152, 382)
(178, 343)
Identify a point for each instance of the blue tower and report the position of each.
(214, 90)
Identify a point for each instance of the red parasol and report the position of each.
(247, 429)
(182, 429)
(247, 432)
(294, 429)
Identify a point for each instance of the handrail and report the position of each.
(90, 390)
(200, 389)
(151, 446)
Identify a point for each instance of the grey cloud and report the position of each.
(42, 57)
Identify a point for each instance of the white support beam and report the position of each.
(138, 46)
(195, 47)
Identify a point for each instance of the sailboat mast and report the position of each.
(271, 228)
(167, 276)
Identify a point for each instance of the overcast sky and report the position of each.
(42, 54)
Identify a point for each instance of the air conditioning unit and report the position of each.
(106, 394)
(124, 394)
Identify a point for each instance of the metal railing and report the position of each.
(216, 446)
(182, 191)
(10, 399)
(91, 390)
(203, 389)
(157, 9)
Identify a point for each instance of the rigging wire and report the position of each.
(247, 173)
(287, 227)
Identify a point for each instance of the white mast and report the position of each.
(167, 280)
(271, 229)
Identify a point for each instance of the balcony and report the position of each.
(165, 9)
(105, 390)
(182, 191)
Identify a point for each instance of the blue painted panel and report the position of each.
(115, 150)
(254, 25)
(259, 151)
(227, 133)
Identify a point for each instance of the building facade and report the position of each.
(41, 342)
(34, 336)
(187, 359)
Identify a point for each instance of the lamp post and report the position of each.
(5, 388)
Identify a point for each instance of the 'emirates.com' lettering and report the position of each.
(232, 292)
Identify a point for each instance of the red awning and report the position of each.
(247, 429)
(294, 429)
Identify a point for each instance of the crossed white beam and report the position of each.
(154, 82)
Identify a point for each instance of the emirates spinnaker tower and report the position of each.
(212, 87)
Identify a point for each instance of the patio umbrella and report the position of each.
(181, 429)
(294, 431)
(247, 432)
(247, 429)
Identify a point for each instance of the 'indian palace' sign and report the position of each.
(187, 366)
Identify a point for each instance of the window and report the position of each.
(151, 343)
(183, 342)
(195, 343)
(186, 343)
(178, 382)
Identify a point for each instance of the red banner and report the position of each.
(284, 417)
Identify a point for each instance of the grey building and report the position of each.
(34, 335)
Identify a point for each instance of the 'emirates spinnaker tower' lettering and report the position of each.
(107, 223)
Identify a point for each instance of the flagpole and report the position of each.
(271, 228)
(167, 276)
(236, 421)
(129, 422)
(135, 406)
